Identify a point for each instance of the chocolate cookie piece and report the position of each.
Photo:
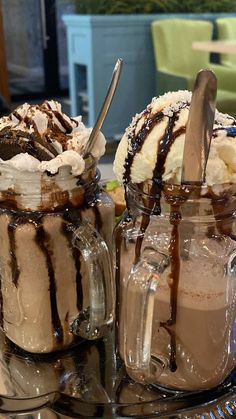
(16, 142)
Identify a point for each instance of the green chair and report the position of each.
(177, 63)
(226, 30)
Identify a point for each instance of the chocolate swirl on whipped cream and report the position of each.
(157, 181)
(36, 130)
(42, 139)
(137, 141)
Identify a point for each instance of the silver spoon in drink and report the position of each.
(105, 107)
(199, 128)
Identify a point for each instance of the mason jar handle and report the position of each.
(94, 321)
(142, 285)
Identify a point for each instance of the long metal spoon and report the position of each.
(105, 107)
(199, 128)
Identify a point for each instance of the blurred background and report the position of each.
(35, 45)
(66, 50)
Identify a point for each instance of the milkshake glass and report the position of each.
(56, 276)
(176, 251)
(176, 283)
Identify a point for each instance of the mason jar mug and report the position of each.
(55, 266)
(176, 283)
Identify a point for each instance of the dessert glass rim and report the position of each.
(36, 191)
(64, 173)
(198, 203)
(216, 192)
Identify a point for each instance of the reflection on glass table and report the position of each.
(90, 381)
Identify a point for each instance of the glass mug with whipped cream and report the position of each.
(176, 252)
(55, 231)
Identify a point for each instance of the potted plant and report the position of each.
(103, 30)
(111, 7)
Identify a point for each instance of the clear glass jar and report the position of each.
(55, 266)
(176, 283)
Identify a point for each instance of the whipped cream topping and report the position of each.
(153, 144)
(42, 138)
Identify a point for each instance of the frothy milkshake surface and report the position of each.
(47, 189)
(187, 236)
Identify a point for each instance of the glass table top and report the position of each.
(89, 381)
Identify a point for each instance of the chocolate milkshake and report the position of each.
(54, 219)
(176, 252)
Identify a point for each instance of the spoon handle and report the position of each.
(199, 128)
(105, 106)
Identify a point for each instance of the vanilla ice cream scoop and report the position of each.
(44, 139)
(153, 144)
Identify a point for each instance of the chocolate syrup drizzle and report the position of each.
(98, 219)
(71, 216)
(175, 217)
(68, 231)
(174, 252)
(43, 241)
(1, 305)
(135, 145)
(118, 244)
(67, 127)
(136, 142)
(40, 146)
(12, 240)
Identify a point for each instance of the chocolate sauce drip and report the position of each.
(154, 207)
(98, 218)
(144, 225)
(127, 201)
(42, 239)
(79, 288)
(12, 240)
(68, 128)
(1, 305)
(101, 347)
(17, 115)
(27, 121)
(118, 244)
(174, 252)
(98, 226)
(136, 142)
(175, 218)
(164, 147)
(68, 231)
(171, 333)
